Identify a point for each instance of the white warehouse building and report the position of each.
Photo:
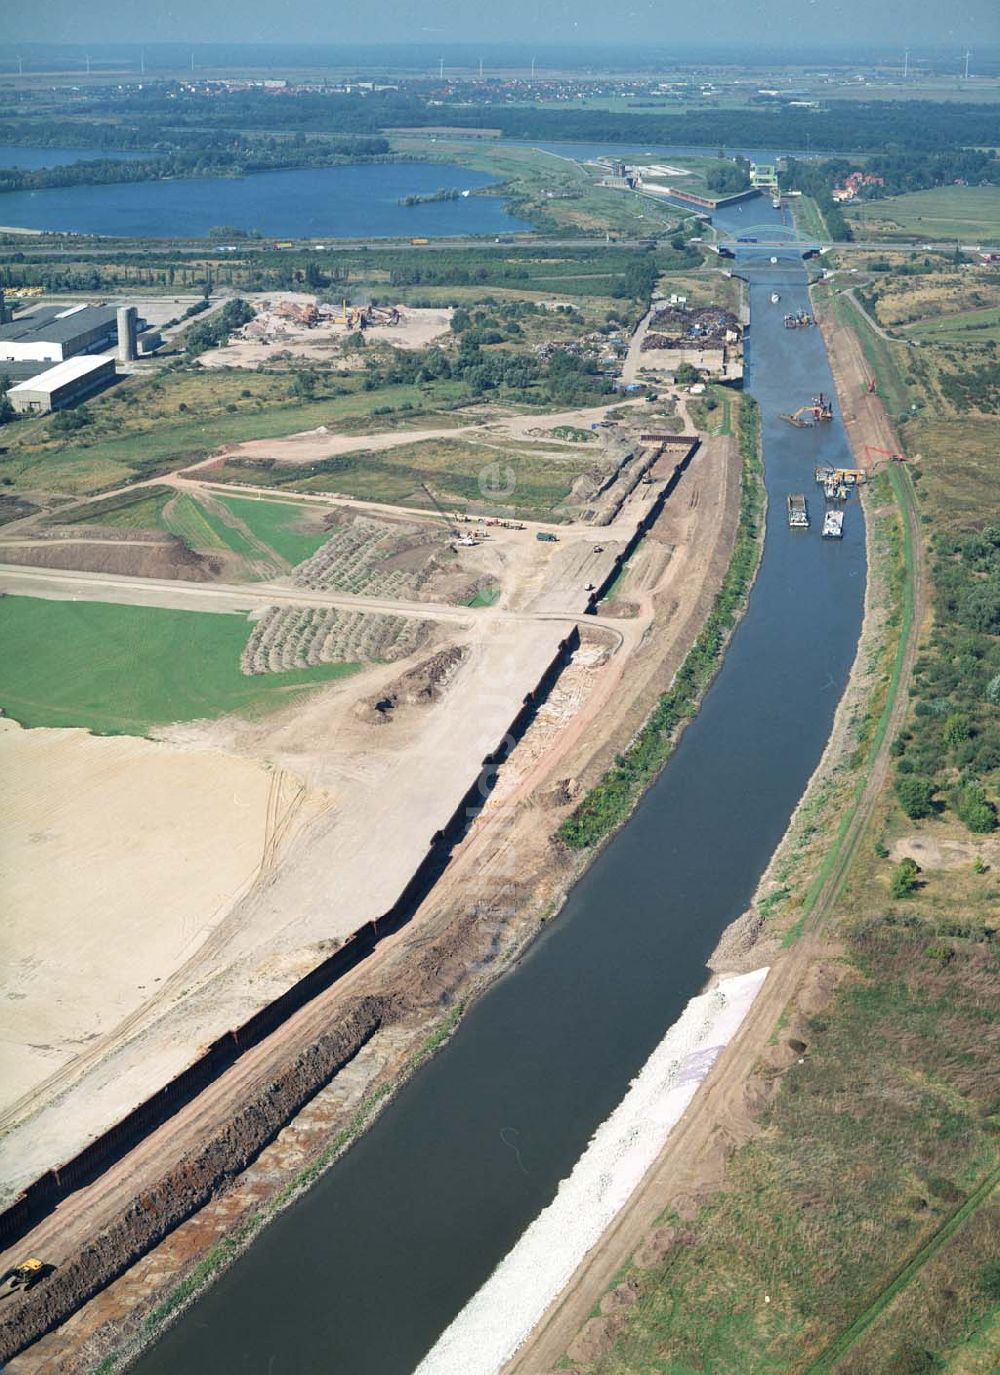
(63, 385)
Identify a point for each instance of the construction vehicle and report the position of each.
(798, 511)
(886, 453)
(418, 243)
(872, 386)
(546, 538)
(819, 409)
(467, 541)
(25, 1275)
(840, 477)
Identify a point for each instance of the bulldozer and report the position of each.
(819, 409)
(25, 1275)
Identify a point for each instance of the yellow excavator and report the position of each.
(819, 409)
(25, 1275)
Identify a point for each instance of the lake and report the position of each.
(33, 158)
(356, 201)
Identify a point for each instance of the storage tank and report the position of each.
(126, 333)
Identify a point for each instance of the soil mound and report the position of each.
(156, 557)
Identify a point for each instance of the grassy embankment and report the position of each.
(210, 523)
(122, 670)
(866, 1210)
(611, 801)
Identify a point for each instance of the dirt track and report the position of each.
(721, 1115)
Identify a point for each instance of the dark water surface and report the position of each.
(341, 202)
(13, 155)
(365, 1271)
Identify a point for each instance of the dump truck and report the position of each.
(546, 538)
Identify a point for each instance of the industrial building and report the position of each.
(51, 334)
(61, 386)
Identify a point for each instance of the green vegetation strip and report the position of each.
(611, 801)
(847, 1339)
(121, 670)
(838, 855)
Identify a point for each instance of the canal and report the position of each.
(363, 1273)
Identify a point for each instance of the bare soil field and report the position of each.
(112, 844)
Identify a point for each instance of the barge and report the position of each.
(833, 525)
(798, 511)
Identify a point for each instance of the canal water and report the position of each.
(366, 1270)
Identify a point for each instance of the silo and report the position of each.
(126, 333)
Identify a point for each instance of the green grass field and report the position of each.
(967, 327)
(279, 524)
(200, 530)
(121, 670)
(971, 213)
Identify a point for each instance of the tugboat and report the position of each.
(833, 525)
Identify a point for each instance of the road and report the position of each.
(67, 584)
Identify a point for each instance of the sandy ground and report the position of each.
(270, 334)
(391, 788)
(110, 844)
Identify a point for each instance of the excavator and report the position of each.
(25, 1275)
(819, 409)
(467, 541)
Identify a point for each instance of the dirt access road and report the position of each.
(720, 1117)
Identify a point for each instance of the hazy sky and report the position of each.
(640, 22)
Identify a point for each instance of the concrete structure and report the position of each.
(126, 327)
(50, 334)
(61, 386)
(148, 342)
(764, 177)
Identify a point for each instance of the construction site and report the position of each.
(706, 338)
(300, 326)
(472, 637)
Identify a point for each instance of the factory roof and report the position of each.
(62, 373)
(55, 324)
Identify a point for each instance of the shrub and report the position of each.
(916, 795)
(904, 878)
(972, 806)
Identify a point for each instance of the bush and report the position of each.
(972, 806)
(916, 795)
(68, 422)
(904, 878)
